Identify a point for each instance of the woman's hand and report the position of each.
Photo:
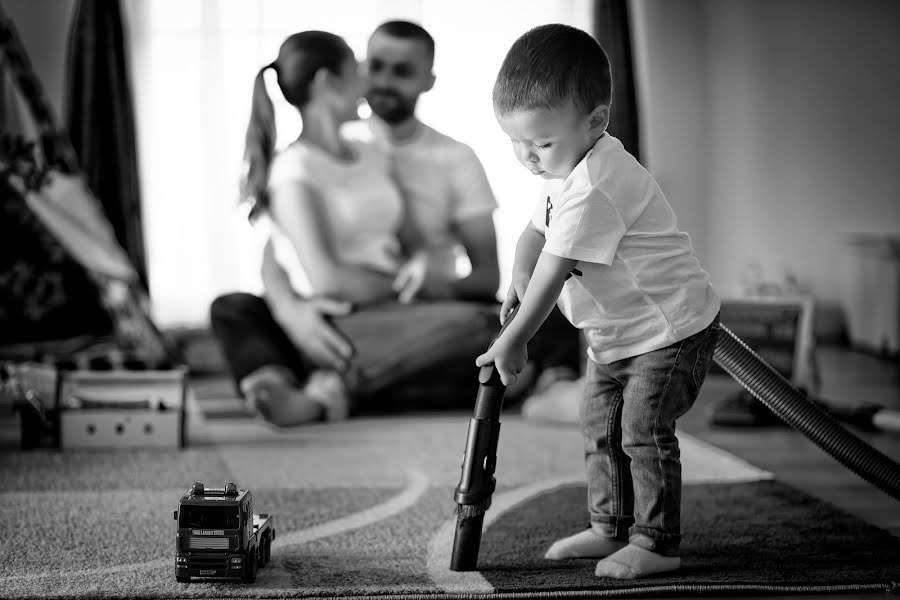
(307, 324)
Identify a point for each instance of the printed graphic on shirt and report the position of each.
(548, 215)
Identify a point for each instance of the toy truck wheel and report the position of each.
(261, 554)
(250, 569)
(267, 551)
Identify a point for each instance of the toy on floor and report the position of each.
(219, 537)
(59, 407)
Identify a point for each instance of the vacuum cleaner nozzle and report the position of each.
(476, 483)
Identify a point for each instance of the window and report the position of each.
(194, 64)
(209, 517)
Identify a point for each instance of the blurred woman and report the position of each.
(337, 225)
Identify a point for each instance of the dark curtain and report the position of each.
(44, 294)
(612, 30)
(100, 120)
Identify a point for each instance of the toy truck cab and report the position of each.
(218, 536)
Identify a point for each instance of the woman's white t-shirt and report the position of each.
(361, 205)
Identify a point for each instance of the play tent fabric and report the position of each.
(66, 283)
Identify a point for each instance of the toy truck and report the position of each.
(218, 536)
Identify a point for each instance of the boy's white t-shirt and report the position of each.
(442, 178)
(638, 286)
(359, 200)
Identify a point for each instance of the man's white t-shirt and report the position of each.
(637, 286)
(360, 203)
(441, 178)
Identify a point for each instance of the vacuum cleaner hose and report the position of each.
(786, 401)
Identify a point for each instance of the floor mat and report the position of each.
(365, 508)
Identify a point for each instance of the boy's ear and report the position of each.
(599, 119)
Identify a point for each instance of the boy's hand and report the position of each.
(508, 358)
(513, 297)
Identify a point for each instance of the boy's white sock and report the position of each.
(633, 561)
(585, 544)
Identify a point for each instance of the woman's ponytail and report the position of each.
(300, 57)
(259, 147)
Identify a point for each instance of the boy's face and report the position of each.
(399, 70)
(550, 141)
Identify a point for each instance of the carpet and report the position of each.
(364, 508)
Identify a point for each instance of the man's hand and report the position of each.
(305, 322)
(411, 277)
(507, 356)
(420, 277)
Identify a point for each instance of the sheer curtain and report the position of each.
(194, 63)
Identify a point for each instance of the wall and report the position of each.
(43, 26)
(778, 121)
(670, 50)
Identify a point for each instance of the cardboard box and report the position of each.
(109, 409)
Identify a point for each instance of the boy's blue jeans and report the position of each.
(632, 458)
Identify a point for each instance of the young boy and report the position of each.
(604, 242)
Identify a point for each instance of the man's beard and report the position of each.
(390, 106)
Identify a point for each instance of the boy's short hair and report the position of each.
(406, 30)
(551, 65)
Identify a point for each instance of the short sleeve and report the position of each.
(473, 194)
(585, 226)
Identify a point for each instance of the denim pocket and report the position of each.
(705, 350)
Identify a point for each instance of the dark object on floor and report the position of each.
(476, 482)
(31, 390)
(741, 409)
(868, 416)
(779, 329)
(202, 548)
(790, 404)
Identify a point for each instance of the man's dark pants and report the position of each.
(419, 355)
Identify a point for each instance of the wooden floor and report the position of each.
(849, 378)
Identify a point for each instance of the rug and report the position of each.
(365, 508)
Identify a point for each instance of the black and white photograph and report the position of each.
(449, 300)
